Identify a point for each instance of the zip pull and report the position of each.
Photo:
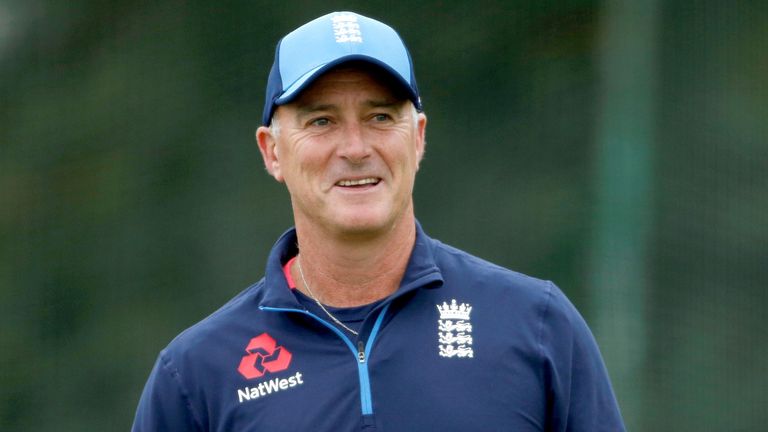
(361, 351)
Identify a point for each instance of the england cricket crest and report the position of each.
(454, 330)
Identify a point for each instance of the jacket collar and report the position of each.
(421, 271)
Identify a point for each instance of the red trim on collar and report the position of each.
(287, 272)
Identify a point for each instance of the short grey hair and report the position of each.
(274, 126)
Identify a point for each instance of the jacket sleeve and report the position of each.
(165, 403)
(579, 392)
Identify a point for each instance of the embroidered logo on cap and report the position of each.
(455, 330)
(346, 28)
(264, 355)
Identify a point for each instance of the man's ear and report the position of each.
(268, 146)
(421, 143)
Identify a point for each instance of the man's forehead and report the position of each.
(375, 87)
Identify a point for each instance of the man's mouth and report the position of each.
(359, 182)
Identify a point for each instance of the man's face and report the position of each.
(348, 150)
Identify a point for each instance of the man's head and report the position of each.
(347, 140)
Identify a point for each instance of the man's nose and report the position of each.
(354, 145)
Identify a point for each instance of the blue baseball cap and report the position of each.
(323, 43)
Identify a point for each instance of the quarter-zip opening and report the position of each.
(361, 352)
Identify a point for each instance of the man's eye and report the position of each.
(322, 121)
(381, 117)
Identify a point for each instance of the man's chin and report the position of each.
(362, 229)
(362, 226)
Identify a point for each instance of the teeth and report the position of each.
(364, 181)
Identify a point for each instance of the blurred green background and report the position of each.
(617, 148)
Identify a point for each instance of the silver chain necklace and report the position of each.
(311, 294)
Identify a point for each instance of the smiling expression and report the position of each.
(348, 150)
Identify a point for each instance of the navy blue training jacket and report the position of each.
(462, 345)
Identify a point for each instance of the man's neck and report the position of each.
(353, 271)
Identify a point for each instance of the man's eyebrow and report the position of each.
(303, 109)
(384, 103)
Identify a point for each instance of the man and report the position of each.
(363, 322)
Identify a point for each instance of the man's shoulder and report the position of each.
(515, 297)
(458, 263)
(227, 319)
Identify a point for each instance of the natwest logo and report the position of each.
(264, 355)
